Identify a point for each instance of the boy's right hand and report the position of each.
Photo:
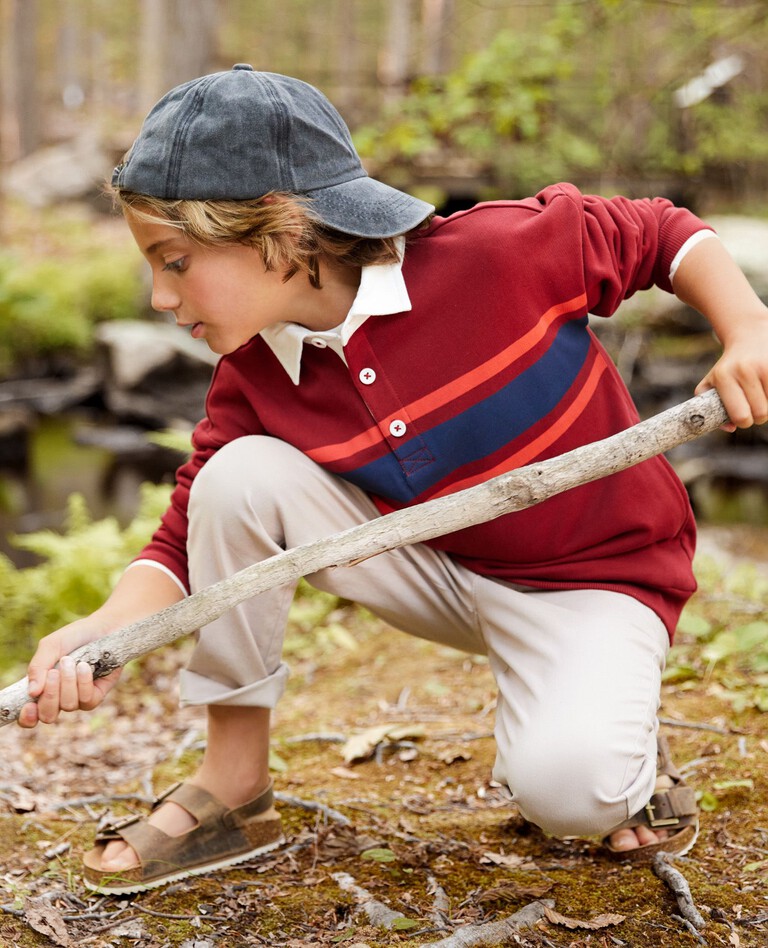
(70, 686)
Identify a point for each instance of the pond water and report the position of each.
(58, 461)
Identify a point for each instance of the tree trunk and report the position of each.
(21, 126)
(395, 58)
(178, 42)
(436, 16)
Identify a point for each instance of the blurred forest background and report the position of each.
(471, 97)
(455, 100)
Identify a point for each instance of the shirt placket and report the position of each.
(399, 430)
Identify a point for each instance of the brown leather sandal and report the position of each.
(221, 838)
(670, 808)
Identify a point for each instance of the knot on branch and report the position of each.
(103, 665)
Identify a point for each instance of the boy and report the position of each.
(374, 356)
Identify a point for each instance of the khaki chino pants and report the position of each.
(578, 671)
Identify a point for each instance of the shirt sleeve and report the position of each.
(626, 245)
(229, 415)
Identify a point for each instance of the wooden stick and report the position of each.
(680, 889)
(507, 493)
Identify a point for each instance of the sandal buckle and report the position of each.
(655, 822)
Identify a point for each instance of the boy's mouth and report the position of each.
(195, 329)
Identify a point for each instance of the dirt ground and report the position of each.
(410, 845)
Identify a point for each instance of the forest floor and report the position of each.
(408, 844)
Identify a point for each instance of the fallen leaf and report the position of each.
(362, 746)
(602, 921)
(47, 921)
(379, 855)
(336, 842)
(510, 861)
(512, 890)
(132, 928)
(345, 773)
(452, 755)
(20, 799)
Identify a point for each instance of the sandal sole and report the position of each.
(134, 887)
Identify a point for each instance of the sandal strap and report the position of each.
(669, 807)
(673, 807)
(204, 807)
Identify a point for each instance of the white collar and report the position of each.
(382, 292)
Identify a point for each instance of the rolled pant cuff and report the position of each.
(265, 693)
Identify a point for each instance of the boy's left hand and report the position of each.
(741, 376)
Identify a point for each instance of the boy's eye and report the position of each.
(176, 265)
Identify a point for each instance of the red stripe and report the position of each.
(450, 391)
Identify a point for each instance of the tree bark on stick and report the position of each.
(507, 493)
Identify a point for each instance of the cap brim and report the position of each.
(365, 207)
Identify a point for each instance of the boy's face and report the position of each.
(224, 294)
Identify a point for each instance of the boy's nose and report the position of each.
(163, 299)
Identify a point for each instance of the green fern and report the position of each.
(79, 568)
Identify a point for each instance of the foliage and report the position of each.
(498, 110)
(60, 275)
(574, 95)
(80, 566)
(77, 572)
(720, 641)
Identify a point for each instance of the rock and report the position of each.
(71, 171)
(48, 396)
(137, 348)
(14, 435)
(157, 374)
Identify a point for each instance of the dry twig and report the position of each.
(680, 889)
(378, 913)
(312, 805)
(495, 933)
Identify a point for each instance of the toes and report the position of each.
(118, 856)
(624, 840)
(646, 836)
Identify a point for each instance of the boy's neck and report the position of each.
(338, 289)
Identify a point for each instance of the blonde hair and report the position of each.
(280, 226)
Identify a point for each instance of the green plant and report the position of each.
(499, 110)
(78, 569)
(52, 305)
(719, 639)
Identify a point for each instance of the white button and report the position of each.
(320, 343)
(397, 428)
(367, 376)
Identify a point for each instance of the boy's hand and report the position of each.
(709, 280)
(70, 686)
(741, 376)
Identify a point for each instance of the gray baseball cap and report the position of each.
(240, 134)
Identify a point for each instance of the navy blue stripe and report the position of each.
(483, 428)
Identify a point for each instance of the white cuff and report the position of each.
(688, 245)
(164, 569)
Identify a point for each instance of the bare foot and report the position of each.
(625, 839)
